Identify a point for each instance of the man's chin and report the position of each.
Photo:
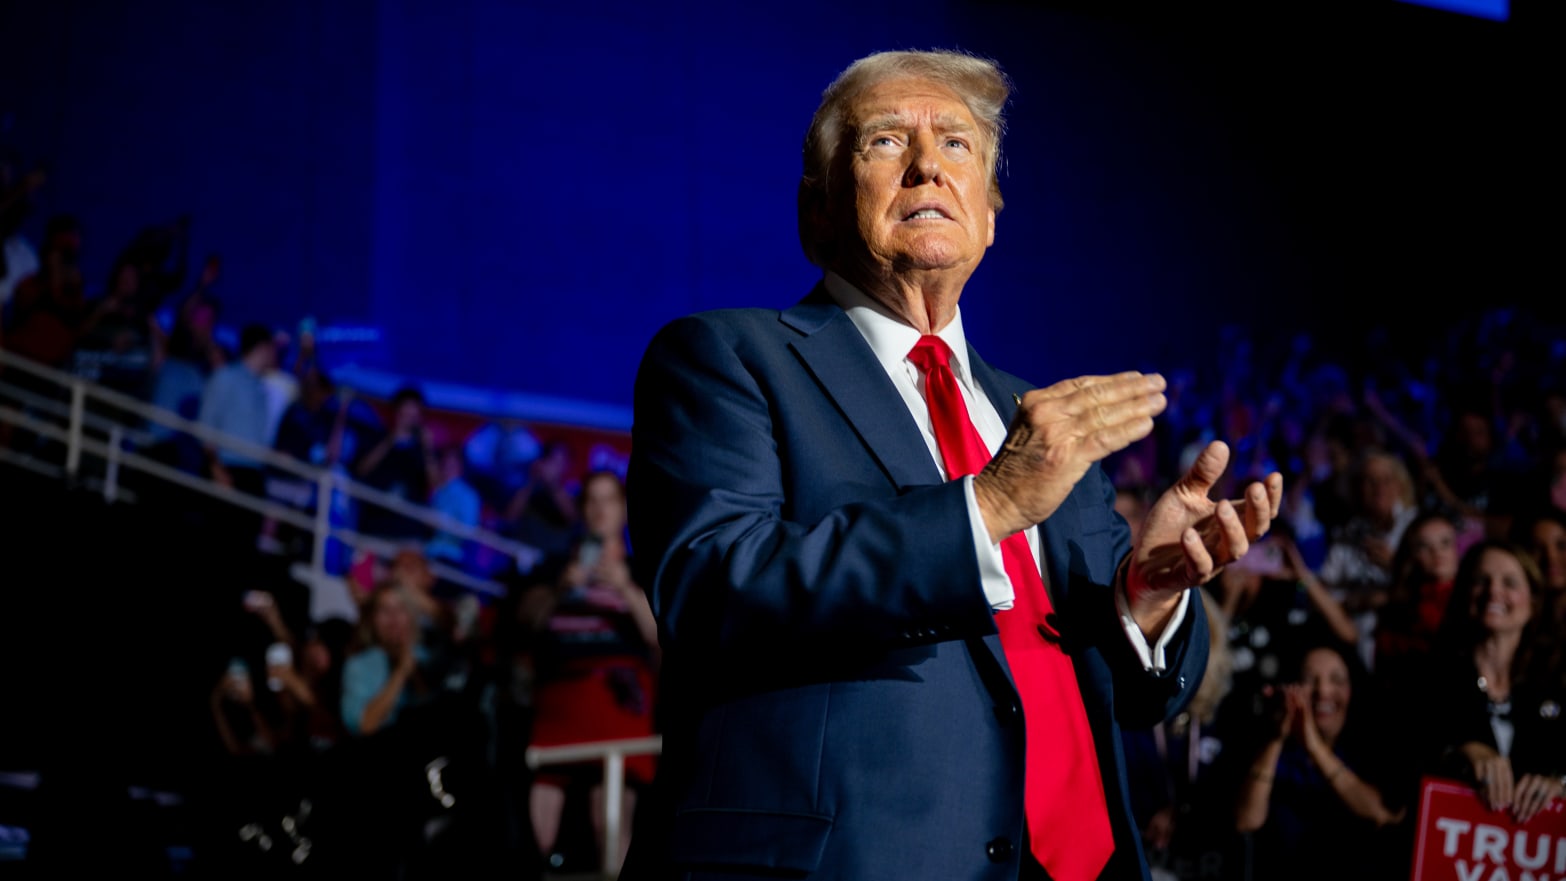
(934, 257)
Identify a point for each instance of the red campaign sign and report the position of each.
(1461, 840)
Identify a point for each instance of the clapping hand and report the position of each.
(1187, 538)
(1281, 711)
(1302, 721)
(1055, 437)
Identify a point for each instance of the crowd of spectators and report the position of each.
(152, 333)
(388, 739)
(1419, 552)
(1405, 617)
(395, 740)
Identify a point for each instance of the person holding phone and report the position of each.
(594, 650)
(402, 464)
(241, 727)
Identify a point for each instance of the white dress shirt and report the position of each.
(891, 339)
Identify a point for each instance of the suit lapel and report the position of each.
(837, 355)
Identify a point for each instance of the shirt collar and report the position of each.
(889, 336)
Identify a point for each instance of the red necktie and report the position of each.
(1063, 793)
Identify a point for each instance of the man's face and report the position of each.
(266, 357)
(921, 180)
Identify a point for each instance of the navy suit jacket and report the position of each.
(834, 699)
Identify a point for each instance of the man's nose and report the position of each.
(924, 161)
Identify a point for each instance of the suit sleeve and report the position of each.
(1143, 697)
(1146, 697)
(729, 571)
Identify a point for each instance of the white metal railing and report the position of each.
(34, 401)
(115, 443)
(613, 754)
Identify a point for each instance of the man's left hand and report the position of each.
(1187, 538)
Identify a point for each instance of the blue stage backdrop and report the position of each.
(516, 195)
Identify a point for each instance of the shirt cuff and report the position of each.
(992, 567)
(1152, 657)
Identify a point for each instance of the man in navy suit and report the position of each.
(835, 700)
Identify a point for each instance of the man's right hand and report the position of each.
(1056, 435)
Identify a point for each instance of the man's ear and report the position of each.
(815, 219)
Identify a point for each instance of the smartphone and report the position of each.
(587, 555)
(278, 654)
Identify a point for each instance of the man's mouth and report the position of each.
(927, 214)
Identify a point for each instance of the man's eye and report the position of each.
(883, 141)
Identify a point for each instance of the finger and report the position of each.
(1103, 421)
(1129, 382)
(1067, 387)
(1274, 493)
(1091, 410)
(1502, 781)
(1114, 438)
(1207, 468)
(1108, 411)
(1529, 799)
(1198, 562)
(1296, 694)
(1231, 540)
(1492, 793)
(1258, 516)
(1101, 406)
(1526, 801)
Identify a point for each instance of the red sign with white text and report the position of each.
(1461, 840)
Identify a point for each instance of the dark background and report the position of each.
(514, 196)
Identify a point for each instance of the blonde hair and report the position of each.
(1218, 677)
(364, 629)
(978, 81)
(1400, 473)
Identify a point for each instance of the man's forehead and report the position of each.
(908, 99)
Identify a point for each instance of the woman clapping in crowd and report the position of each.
(1310, 780)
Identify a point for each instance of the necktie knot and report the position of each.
(930, 352)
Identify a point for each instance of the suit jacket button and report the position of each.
(1180, 680)
(1008, 713)
(998, 850)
